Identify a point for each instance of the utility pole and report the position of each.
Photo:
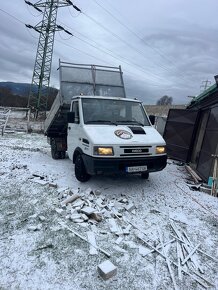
(42, 69)
(205, 85)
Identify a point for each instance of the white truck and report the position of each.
(103, 131)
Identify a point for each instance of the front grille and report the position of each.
(135, 150)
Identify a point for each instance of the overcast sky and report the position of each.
(165, 47)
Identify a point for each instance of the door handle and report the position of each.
(69, 128)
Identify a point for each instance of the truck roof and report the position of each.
(106, 97)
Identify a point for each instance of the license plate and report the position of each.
(136, 168)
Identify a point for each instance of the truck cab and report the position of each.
(108, 135)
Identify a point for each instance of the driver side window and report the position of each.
(75, 109)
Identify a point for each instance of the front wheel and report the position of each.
(80, 170)
(145, 175)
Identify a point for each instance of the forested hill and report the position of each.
(16, 94)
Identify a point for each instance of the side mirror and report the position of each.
(152, 119)
(70, 117)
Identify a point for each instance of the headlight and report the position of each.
(103, 151)
(160, 149)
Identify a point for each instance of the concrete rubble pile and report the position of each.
(95, 214)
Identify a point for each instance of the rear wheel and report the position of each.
(145, 175)
(62, 154)
(54, 153)
(80, 170)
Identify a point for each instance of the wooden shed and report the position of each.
(191, 134)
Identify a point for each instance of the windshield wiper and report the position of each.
(131, 121)
(101, 121)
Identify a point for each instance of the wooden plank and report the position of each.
(167, 261)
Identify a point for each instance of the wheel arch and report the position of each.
(77, 151)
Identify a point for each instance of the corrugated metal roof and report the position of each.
(203, 95)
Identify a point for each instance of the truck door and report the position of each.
(73, 130)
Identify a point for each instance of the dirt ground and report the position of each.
(38, 250)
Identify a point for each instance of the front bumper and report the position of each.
(96, 165)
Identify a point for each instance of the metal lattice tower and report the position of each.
(42, 68)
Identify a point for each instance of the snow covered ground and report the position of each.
(38, 251)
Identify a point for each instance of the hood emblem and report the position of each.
(123, 134)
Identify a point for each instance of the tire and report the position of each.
(145, 175)
(80, 170)
(54, 153)
(62, 154)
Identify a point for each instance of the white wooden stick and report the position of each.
(168, 262)
(179, 260)
(183, 270)
(198, 250)
(84, 239)
(92, 241)
(159, 247)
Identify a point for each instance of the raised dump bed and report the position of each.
(81, 79)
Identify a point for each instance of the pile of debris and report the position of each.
(91, 207)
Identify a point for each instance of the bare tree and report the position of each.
(165, 101)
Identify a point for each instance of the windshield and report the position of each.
(104, 111)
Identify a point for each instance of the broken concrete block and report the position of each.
(52, 184)
(119, 240)
(113, 226)
(126, 230)
(116, 213)
(131, 244)
(88, 210)
(91, 197)
(84, 217)
(40, 181)
(35, 228)
(78, 220)
(123, 200)
(110, 204)
(59, 210)
(62, 189)
(92, 221)
(75, 216)
(99, 202)
(88, 191)
(78, 203)
(107, 269)
(143, 251)
(107, 214)
(130, 207)
(42, 218)
(119, 249)
(93, 245)
(70, 199)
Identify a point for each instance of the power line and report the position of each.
(116, 56)
(156, 50)
(131, 73)
(120, 58)
(12, 16)
(106, 62)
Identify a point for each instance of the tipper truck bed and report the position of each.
(78, 79)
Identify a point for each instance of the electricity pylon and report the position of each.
(42, 69)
